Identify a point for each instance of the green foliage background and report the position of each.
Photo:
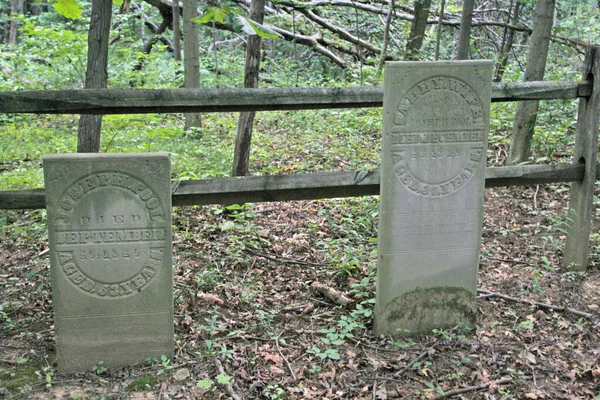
(51, 55)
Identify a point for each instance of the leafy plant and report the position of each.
(165, 363)
(99, 368)
(323, 354)
(204, 383)
(223, 379)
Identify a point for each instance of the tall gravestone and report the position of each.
(436, 121)
(109, 225)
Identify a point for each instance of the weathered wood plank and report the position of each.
(130, 101)
(581, 205)
(537, 90)
(22, 199)
(121, 101)
(532, 174)
(278, 188)
(253, 189)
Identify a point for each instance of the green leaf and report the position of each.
(264, 31)
(22, 360)
(223, 379)
(68, 8)
(227, 225)
(204, 384)
(333, 354)
(244, 25)
(118, 2)
(210, 15)
(241, 24)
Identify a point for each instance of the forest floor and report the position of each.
(250, 323)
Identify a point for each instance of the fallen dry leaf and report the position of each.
(210, 298)
(276, 370)
(276, 359)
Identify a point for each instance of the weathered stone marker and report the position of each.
(109, 225)
(436, 121)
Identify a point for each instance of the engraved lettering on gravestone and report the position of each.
(104, 258)
(417, 148)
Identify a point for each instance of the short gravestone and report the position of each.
(436, 121)
(109, 225)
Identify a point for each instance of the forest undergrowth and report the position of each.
(275, 300)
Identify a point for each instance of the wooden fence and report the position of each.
(582, 173)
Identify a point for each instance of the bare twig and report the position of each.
(9, 362)
(284, 358)
(537, 189)
(410, 364)
(379, 378)
(369, 346)
(285, 260)
(489, 294)
(228, 386)
(451, 393)
(508, 260)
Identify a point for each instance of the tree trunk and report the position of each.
(191, 57)
(439, 31)
(526, 114)
(386, 39)
(88, 139)
(463, 47)
(176, 32)
(417, 30)
(241, 155)
(14, 21)
(508, 44)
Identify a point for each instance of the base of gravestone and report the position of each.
(419, 310)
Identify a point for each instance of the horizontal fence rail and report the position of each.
(139, 101)
(254, 189)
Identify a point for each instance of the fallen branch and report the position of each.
(228, 386)
(489, 294)
(451, 393)
(284, 358)
(384, 379)
(508, 260)
(332, 294)
(9, 362)
(368, 346)
(341, 32)
(283, 259)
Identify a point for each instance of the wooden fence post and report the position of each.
(586, 148)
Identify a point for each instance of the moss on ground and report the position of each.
(142, 384)
(21, 376)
